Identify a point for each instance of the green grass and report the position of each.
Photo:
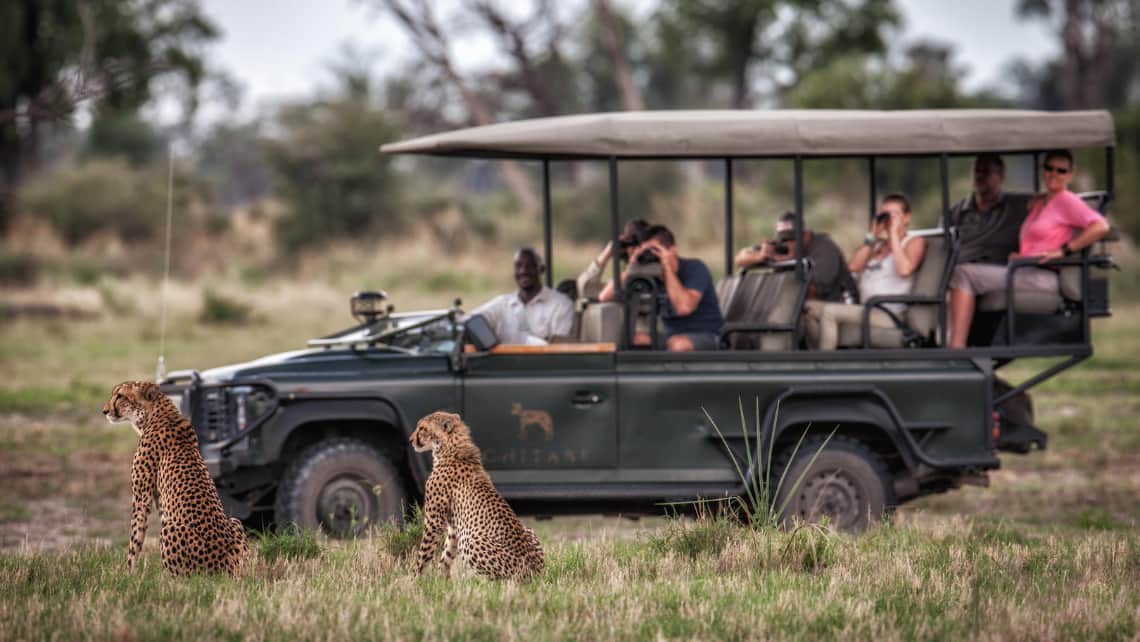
(897, 582)
(1051, 550)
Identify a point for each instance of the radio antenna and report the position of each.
(160, 370)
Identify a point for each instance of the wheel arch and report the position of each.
(373, 421)
(861, 413)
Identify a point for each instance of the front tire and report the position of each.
(341, 486)
(847, 483)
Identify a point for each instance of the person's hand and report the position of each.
(1049, 256)
(636, 252)
(897, 226)
(605, 255)
(668, 261)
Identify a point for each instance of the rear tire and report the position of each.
(341, 486)
(847, 483)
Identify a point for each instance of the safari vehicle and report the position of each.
(320, 435)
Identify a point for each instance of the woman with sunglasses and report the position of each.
(1059, 224)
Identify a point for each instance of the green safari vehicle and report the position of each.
(319, 436)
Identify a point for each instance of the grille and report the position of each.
(223, 413)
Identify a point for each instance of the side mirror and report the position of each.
(479, 333)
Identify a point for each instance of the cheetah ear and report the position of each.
(151, 392)
(448, 424)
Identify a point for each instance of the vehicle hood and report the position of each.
(318, 363)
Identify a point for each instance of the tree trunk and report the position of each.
(429, 39)
(630, 95)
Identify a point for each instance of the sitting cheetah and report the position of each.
(168, 470)
(460, 499)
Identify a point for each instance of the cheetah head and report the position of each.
(437, 429)
(131, 401)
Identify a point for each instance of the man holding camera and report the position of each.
(830, 279)
(690, 314)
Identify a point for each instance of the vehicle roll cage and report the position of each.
(616, 138)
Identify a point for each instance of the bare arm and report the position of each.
(859, 259)
(752, 255)
(908, 256)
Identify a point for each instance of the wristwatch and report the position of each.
(869, 239)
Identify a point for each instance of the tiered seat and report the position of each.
(919, 323)
(1069, 293)
(763, 310)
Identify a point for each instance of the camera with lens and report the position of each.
(780, 247)
(882, 217)
(648, 258)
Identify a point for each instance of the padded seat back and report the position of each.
(725, 289)
(601, 323)
(782, 295)
(746, 296)
(930, 280)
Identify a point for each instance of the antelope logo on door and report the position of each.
(539, 418)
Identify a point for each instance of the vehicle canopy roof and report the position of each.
(779, 133)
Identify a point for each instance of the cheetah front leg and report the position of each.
(143, 496)
(450, 550)
(435, 526)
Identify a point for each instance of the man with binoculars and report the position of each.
(830, 279)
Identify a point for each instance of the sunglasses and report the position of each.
(1053, 168)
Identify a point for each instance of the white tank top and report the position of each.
(880, 278)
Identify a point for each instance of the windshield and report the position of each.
(428, 332)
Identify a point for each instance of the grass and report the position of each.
(1050, 550)
(956, 581)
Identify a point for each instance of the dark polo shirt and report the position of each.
(989, 236)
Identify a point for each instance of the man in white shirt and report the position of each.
(535, 313)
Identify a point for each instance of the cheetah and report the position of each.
(461, 502)
(168, 472)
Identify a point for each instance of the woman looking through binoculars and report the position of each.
(886, 263)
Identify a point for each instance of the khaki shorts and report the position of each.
(979, 278)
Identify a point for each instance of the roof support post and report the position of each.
(873, 190)
(944, 178)
(729, 243)
(615, 232)
(799, 201)
(547, 227)
(1110, 171)
(1036, 174)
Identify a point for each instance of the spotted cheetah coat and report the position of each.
(462, 507)
(168, 472)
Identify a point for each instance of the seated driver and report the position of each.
(533, 315)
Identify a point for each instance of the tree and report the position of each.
(56, 55)
(328, 170)
(612, 40)
(1099, 65)
(755, 44)
(418, 20)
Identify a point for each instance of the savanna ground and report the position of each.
(1049, 551)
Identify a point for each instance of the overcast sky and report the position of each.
(281, 48)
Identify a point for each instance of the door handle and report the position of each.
(586, 398)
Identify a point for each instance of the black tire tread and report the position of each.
(845, 443)
(312, 456)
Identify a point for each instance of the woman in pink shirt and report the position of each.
(1059, 224)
